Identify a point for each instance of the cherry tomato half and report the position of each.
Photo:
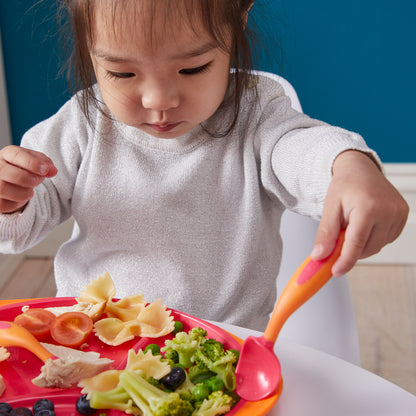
(37, 321)
(71, 329)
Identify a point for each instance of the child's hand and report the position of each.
(364, 202)
(20, 171)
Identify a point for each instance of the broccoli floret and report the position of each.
(217, 403)
(151, 400)
(185, 345)
(117, 398)
(198, 374)
(212, 356)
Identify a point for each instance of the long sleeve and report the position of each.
(63, 138)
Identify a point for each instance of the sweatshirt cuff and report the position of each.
(15, 225)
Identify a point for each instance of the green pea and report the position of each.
(214, 384)
(154, 348)
(200, 392)
(178, 327)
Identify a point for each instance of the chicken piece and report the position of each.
(70, 367)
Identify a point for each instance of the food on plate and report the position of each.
(37, 321)
(174, 379)
(181, 373)
(212, 356)
(113, 331)
(70, 367)
(5, 407)
(71, 329)
(41, 406)
(144, 362)
(139, 397)
(160, 384)
(4, 354)
(128, 317)
(116, 321)
(21, 411)
(2, 385)
(125, 309)
(92, 310)
(83, 406)
(182, 347)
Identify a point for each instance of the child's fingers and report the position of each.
(328, 230)
(29, 160)
(15, 175)
(15, 194)
(357, 239)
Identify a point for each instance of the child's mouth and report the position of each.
(163, 128)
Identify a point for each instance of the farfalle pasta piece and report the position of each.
(127, 308)
(149, 364)
(105, 381)
(99, 290)
(113, 331)
(155, 320)
(4, 354)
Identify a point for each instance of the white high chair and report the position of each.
(326, 322)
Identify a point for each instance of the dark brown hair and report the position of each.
(221, 19)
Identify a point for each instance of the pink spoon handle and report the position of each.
(12, 335)
(304, 283)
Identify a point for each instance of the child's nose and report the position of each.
(159, 95)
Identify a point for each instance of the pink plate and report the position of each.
(22, 366)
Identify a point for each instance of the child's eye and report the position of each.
(120, 75)
(197, 70)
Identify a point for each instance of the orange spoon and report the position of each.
(12, 335)
(258, 371)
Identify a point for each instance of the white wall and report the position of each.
(5, 132)
(403, 250)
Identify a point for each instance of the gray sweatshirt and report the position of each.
(193, 220)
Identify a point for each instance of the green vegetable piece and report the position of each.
(178, 327)
(215, 384)
(117, 398)
(154, 348)
(217, 403)
(212, 356)
(152, 401)
(236, 353)
(185, 345)
(198, 375)
(200, 392)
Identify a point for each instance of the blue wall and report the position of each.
(352, 63)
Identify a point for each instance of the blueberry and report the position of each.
(42, 404)
(174, 379)
(45, 412)
(21, 411)
(83, 406)
(5, 407)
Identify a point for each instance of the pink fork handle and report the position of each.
(12, 335)
(305, 282)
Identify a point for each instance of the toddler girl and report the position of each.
(177, 162)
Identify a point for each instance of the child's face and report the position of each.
(165, 86)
